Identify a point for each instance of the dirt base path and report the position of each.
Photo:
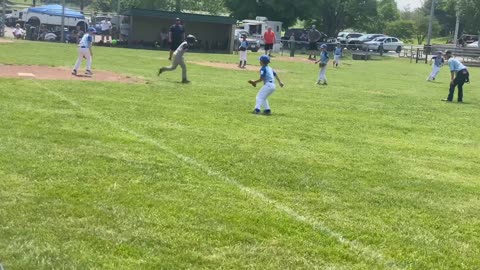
(61, 73)
(2, 40)
(231, 66)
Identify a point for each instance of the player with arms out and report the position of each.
(268, 76)
(178, 58)
(85, 51)
(438, 62)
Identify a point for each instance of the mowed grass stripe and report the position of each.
(363, 251)
(375, 155)
(110, 202)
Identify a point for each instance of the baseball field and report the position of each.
(372, 171)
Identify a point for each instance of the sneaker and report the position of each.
(446, 100)
(88, 72)
(185, 81)
(267, 112)
(256, 111)
(74, 72)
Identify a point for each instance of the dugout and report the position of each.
(214, 33)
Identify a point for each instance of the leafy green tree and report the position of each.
(402, 29)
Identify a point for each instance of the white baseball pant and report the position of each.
(322, 76)
(243, 55)
(336, 58)
(434, 73)
(263, 94)
(83, 52)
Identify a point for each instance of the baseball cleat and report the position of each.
(159, 71)
(267, 112)
(186, 81)
(256, 111)
(88, 72)
(446, 100)
(74, 72)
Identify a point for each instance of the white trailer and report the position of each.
(259, 26)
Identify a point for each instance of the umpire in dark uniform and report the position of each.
(176, 36)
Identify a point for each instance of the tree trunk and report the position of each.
(34, 2)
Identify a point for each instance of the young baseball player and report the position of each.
(324, 58)
(268, 76)
(437, 64)
(338, 55)
(85, 51)
(458, 76)
(243, 52)
(178, 58)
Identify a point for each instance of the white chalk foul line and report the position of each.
(363, 250)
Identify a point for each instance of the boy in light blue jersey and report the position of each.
(437, 64)
(268, 76)
(243, 52)
(338, 55)
(85, 51)
(324, 58)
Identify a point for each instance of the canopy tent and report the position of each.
(56, 10)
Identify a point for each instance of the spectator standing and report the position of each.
(270, 39)
(106, 26)
(313, 38)
(176, 36)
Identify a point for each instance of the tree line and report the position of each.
(331, 16)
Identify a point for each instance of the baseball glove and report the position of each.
(253, 83)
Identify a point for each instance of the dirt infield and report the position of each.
(60, 73)
(230, 66)
(2, 40)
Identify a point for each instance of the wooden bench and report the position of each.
(470, 56)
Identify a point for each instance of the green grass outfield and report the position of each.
(371, 172)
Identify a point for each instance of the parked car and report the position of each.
(344, 40)
(473, 45)
(388, 43)
(357, 43)
(253, 43)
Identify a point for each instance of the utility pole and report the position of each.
(62, 38)
(457, 25)
(432, 14)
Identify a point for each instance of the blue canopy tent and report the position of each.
(56, 10)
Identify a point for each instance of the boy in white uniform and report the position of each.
(243, 52)
(85, 51)
(324, 58)
(268, 76)
(338, 54)
(437, 64)
(178, 58)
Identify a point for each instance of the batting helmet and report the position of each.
(265, 59)
(323, 46)
(92, 30)
(191, 39)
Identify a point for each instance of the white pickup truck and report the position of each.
(51, 15)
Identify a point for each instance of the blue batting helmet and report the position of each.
(265, 59)
(92, 29)
(323, 46)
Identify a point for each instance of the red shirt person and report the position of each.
(269, 38)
